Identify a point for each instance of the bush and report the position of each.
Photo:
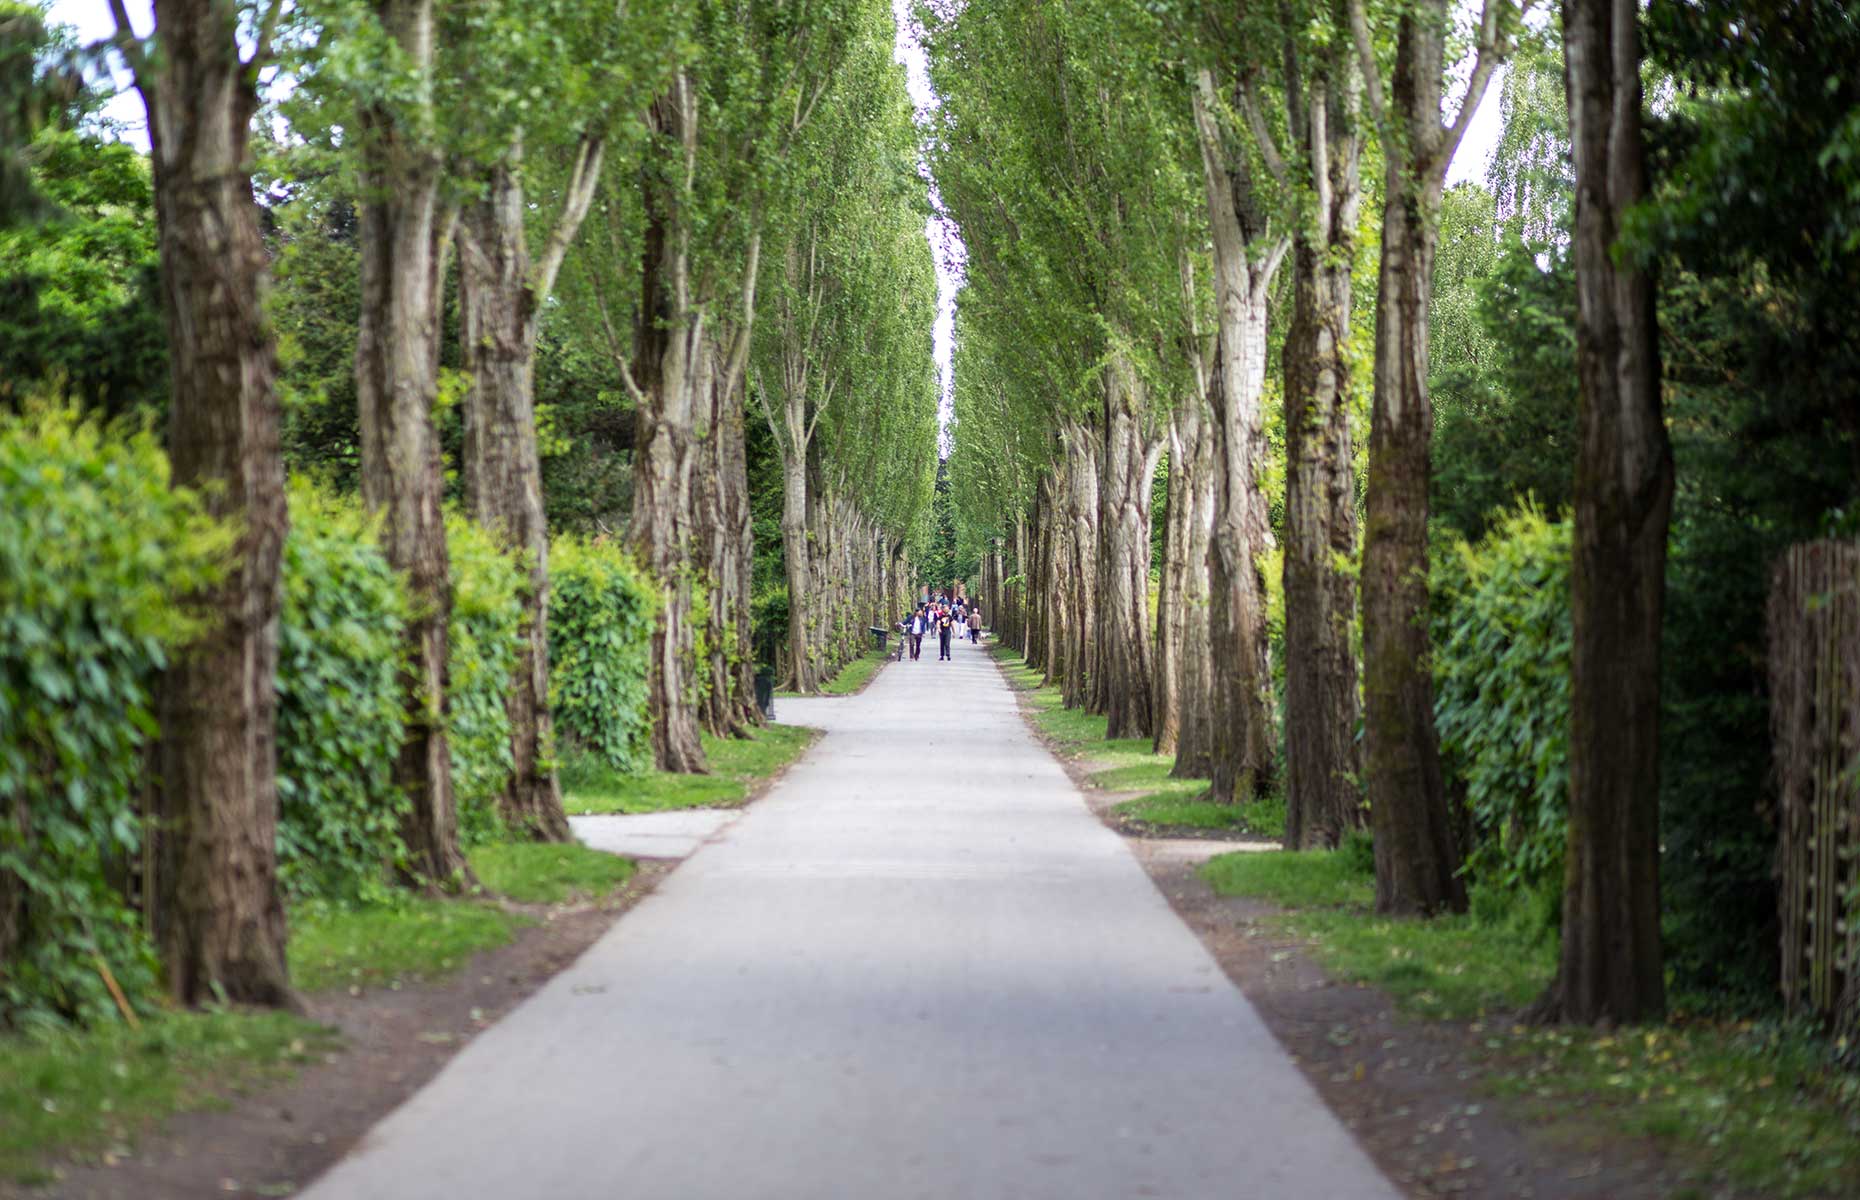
(489, 587)
(95, 551)
(341, 647)
(1501, 674)
(601, 613)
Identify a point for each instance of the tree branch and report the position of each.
(1372, 73)
(582, 183)
(1490, 54)
(267, 32)
(128, 44)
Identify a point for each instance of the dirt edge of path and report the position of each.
(1411, 1091)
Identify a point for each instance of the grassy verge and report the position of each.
(854, 675)
(93, 1092)
(1129, 765)
(420, 937)
(1768, 1109)
(736, 764)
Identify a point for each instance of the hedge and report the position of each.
(601, 613)
(1501, 677)
(489, 588)
(96, 551)
(340, 715)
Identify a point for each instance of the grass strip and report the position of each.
(92, 1092)
(547, 873)
(1770, 1108)
(851, 677)
(736, 765)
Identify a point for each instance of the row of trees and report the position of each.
(1132, 184)
(637, 186)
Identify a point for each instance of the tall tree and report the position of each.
(1417, 860)
(1610, 966)
(218, 912)
(405, 229)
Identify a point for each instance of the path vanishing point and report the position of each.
(918, 967)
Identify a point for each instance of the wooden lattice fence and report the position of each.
(1814, 667)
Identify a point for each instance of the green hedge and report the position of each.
(95, 550)
(601, 613)
(489, 587)
(340, 716)
(1501, 677)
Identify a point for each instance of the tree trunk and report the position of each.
(1246, 255)
(218, 913)
(1611, 964)
(503, 480)
(668, 346)
(799, 570)
(1171, 610)
(1417, 861)
(1123, 627)
(732, 654)
(1194, 754)
(1322, 765)
(402, 238)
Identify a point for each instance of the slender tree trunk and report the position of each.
(219, 918)
(1194, 753)
(669, 343)
(503, 472)
(1322, 764)
(1246, 254)
(794, 544)
(1611, 966)
(1172, 614)
(403, 233)
(1417, 860)
(1127, 689)
(736, 582)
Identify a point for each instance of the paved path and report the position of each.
(917, 968)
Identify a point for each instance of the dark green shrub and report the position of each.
(601, 613)
(485, 637)
(340, 716)
(95, 550)
(1501, 677)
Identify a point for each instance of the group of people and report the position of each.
(948, 619)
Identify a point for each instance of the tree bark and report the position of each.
(403, 233)
(500, 295)
(1322, 765)
(218, 915)
(1194, 751)
(668, 350)
(1611, 965)
(1126, 689)
(1246, 254)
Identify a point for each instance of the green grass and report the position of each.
(412, 937)
(854, 675)
(736, 764)
(92, 1092)
(1769, 1109)
(539, 873)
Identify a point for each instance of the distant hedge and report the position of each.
(1501, 678)
(489, 587)
(340, 715)
(601, 613)
(96, 554)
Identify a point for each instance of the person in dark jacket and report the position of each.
(944, 629)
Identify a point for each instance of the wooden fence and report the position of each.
(1814, 668)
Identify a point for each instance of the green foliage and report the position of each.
(1502, 694)
(486, 635)
(601, 613)
(80, 298)
(97, 554)
(340, 711)
(1294, 878)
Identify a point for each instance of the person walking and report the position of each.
(945, 628)
(975, 627)
(917, 634)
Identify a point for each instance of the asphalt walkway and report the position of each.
(919, 967)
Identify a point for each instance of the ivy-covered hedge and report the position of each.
(486, 635)
(601, 612)
(95, 553)
(340, 716)
(1501, 677)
